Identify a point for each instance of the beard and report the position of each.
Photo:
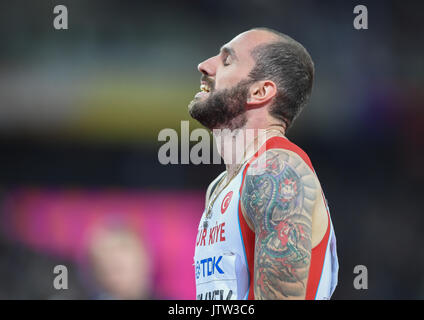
(222, 109)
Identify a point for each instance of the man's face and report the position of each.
(225, 84)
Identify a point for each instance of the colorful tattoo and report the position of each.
(278, 196)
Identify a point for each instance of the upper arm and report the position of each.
(278, 197)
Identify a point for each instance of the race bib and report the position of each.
(216, 277)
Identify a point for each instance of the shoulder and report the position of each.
(278, 161)
(278, 178)
(284, 145)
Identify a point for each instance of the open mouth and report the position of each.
(205, 88)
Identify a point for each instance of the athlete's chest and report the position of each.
(219, 224)
(219, 259)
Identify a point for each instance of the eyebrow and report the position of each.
(228, 50)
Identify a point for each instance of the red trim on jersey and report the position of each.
(318, 252)
(249, 247)
(317, 265)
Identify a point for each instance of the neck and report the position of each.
(238, 146)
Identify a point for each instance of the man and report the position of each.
(266, 231)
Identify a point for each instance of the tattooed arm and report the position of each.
(278, 197)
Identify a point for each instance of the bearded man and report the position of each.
(266, 231)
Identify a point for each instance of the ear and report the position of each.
(261, 92)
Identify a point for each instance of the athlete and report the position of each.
(266, 231)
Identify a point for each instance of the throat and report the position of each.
(233, 170)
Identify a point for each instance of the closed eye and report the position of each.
(228, 55)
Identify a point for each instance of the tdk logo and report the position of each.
(207, 267)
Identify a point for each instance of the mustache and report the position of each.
(208, 80)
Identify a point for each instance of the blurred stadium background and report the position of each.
(81, 109)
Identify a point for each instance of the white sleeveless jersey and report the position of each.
(224, 253)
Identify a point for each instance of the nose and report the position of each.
(207, 67)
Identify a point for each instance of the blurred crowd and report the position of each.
(116, 265)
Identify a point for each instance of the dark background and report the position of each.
(81, 109)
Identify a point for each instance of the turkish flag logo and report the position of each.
(226, 201)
